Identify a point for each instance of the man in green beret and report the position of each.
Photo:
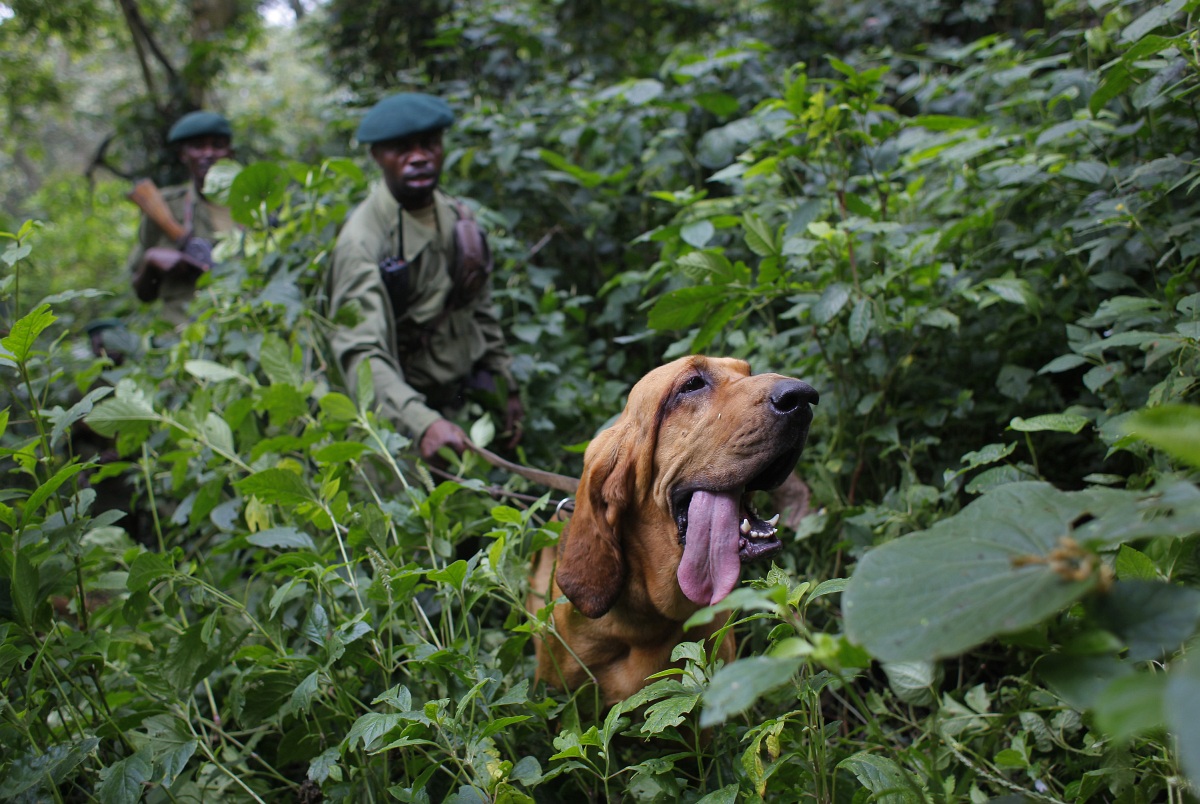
(413, 263)
(175, 248)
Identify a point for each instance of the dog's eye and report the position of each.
(693, 383)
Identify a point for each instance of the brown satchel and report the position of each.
(473, 264)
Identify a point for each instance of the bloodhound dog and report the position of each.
(662, 520)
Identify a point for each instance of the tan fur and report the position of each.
(618, 558)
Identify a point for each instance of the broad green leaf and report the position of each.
(737, 686)
(128, 405)
(338, 407)
(454, 574)
(146, 569)
(1050, 422)
(832, 300)
(257, 190)
(1131, 564)
(213, 372)
(1062, 363)
(682, 308)
(278, 486)
(78, 411)
(282, 538)
(759, 237)
(914, 683)
(884, 778)
(276, 361)
(1132, 705)
(339, 452)
(24, 333)
(941, 122)
(1182, 704)
(726, 795)
(1154, 18)
(369, 728)
(320, 767)
(697, 234)
(969, 578)
(1175, 429)
(1152, 618)
(306, 692)
(862, 321)
(122, 782)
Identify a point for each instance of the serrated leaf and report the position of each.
(369, 728)
(43, 492)
(278, 486)
(832, 300)
(276, 361)
(282, 538)
(146, 569)
(759, 237)
(123, 780)
(668, 713)
(862, 321)
(884, 778)
(338, 406)
(24, 333)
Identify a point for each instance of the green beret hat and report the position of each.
(199, 124)
(401, 115)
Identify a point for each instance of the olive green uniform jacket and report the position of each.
(421, 361)
(209, 221)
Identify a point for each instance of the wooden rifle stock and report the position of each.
(146, 195)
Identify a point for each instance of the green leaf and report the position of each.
(1154, 18)
(128, 405)
(283, 538)
(1182, 704)
(862, 321)
(1175, 429)
(24, 333)
(737, 686)
(697, 233)
(45, 491)
(339, 452)
(759, 237)
(26, 581)
(121, 782)
(370, 728)
(668, 713)
(213, 372)
(884, 778)
(278, 486)
(276, 361)
(682, 308)
(306, 692)
(146, 569)
(1132, 564)
(255, 191)
(339, 407)
(1152, 618)
(1050, 422)
(1132, 705)
(981, 573)
(832, 300)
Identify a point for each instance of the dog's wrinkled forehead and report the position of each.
(657, 388)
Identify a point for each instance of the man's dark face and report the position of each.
(198, 154)
(411, 167)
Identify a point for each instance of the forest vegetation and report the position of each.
(973, 226)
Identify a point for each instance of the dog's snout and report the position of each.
(789, 396)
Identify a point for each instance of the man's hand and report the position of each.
(442, 433)
(514, 415)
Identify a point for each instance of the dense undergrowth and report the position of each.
(223, 579)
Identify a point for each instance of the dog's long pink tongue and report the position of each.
(711, 567)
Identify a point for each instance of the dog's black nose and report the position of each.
(789, 396)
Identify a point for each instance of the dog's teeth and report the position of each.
(745, 526)
(773, 521)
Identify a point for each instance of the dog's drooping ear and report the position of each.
(591, 562)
